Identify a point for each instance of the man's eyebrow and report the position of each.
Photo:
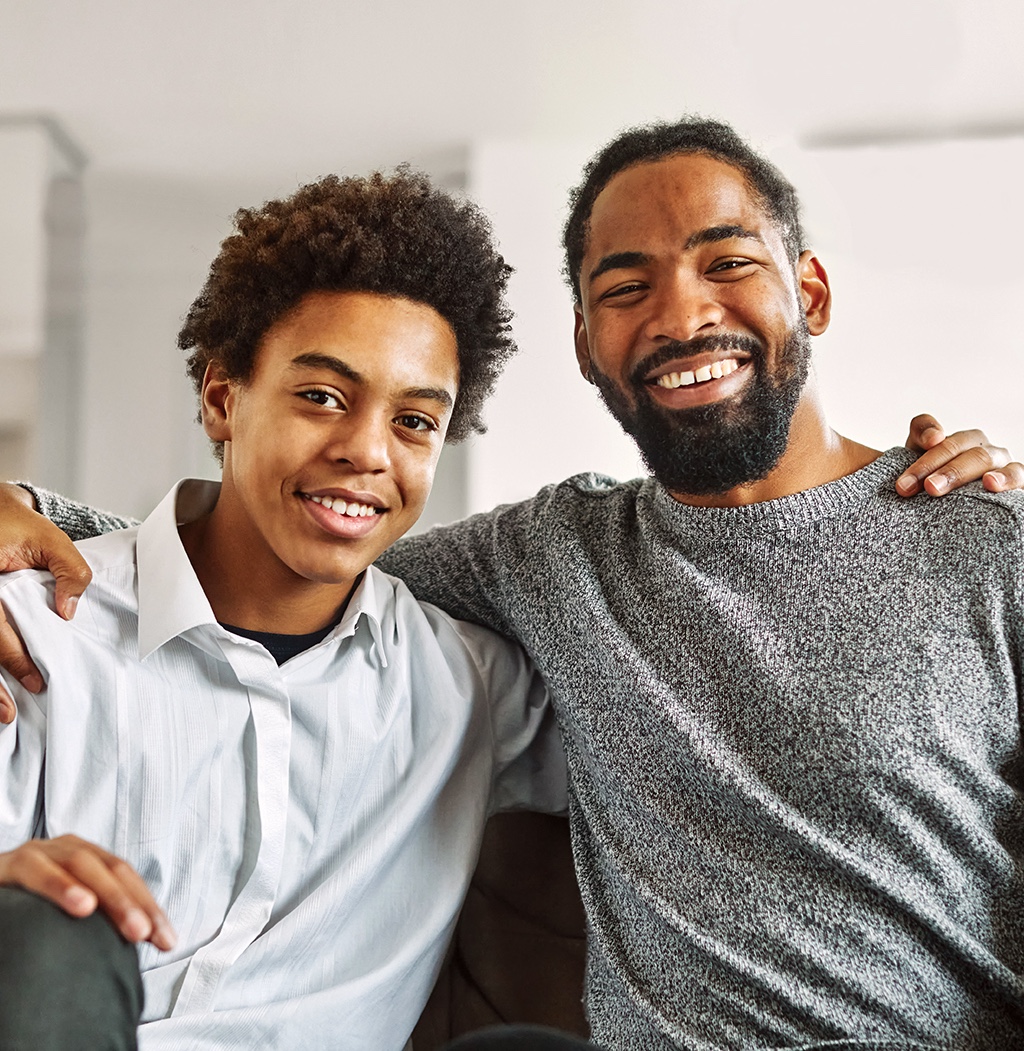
(720, 233)
(328, 361)
(618, 261)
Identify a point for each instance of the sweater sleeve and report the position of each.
(469, 568)
(79, 521)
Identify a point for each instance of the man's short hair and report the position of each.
(396, 235)
(655, 142)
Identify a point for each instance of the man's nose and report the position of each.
(682, 308)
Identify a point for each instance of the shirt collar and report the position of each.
(171, 599)
(369, 600)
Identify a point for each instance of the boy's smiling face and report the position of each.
(331, 444)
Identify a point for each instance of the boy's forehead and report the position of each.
(364, 335)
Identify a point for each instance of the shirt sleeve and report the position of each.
(79, 521)
(530, 767)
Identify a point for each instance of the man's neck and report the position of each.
(249, 587)
(815, 455)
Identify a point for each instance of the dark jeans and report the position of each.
(66, 984)
(520, 1038)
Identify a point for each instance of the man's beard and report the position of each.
(711, 449)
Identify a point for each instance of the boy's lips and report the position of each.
(344, 514)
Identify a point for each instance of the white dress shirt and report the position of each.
(310, 829)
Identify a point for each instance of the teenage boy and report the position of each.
(291, 844)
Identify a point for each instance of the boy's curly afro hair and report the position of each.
(396, 235)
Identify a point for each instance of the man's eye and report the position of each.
(416, 423)
(730, 264)
(623, 290)
(321, 397)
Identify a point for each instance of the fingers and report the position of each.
(30, 541)
(1010, 476)
(14, 658)
(7, 709)
(962, 457)
(71, 574)
(81, 877)
(925, 432)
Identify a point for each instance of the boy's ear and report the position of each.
(216, 403)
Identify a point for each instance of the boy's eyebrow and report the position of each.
(327, 361)
(314, 360)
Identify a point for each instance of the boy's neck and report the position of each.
(247, 586)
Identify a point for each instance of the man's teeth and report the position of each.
(715, 371)
(340, 507)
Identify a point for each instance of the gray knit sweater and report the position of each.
(793, 732)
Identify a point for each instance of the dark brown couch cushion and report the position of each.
(520, 943)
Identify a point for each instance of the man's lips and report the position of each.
(686, 377)
(699, 381)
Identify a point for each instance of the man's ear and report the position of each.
(582, 343)
(815, 294)
(216, 403)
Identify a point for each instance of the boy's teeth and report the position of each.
(340, 507)
(715, 371)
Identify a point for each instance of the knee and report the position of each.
(41, 939)
(62, 975)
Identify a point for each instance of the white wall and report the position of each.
(149, 245)
(921, 242)
(545, 422)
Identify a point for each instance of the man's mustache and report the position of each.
(691, 348)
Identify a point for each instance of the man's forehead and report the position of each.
(674, 196)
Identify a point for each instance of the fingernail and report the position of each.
(137, 925)
(32, 682)
(79, 898)
(70, 605)
(931, 434)
(906, 484)
(997, 476)
(165, 935)
(940, 483)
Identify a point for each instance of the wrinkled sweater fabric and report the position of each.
(793, 732)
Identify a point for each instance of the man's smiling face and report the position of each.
(692, 321)
(331, 444)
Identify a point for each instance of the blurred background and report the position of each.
(129, 134)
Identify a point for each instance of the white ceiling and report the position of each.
(212, 89)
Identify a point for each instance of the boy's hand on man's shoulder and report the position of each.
(950, 462)
(81, 877)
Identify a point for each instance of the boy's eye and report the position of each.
(417, 423)
(321, 397)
